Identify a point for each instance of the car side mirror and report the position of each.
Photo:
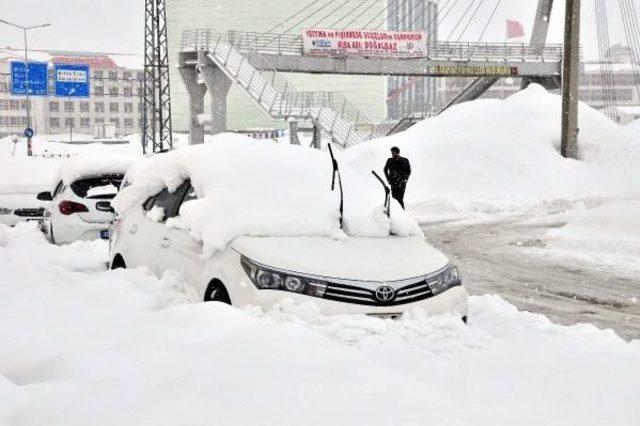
(45, 196)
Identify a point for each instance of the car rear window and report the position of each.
(103, 187)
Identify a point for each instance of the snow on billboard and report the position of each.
(364, 43)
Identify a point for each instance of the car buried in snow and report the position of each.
(245, 241)
(80, 203)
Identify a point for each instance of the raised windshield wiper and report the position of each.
(387, 191)
(336, 171)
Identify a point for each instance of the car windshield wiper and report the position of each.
(387, 191)
(336, 172)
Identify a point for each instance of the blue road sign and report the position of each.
(38, 78)
(28, 132)
(72, 80)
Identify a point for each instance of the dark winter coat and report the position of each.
(397, 171)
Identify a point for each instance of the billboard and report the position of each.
(364, 43)
(71, 80)
(38, 78)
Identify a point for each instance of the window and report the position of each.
(126, 75)
(108, 186)
(113, 90)
(169, 202)
(98, 75)
(115, 121)
(84, 106)
(128, 107)
(85, 122)
(128, 91)
(128, 122)
(54, 122)
(113, 75)
(23, 105)
(69, 122)
(4, 104)
(14, 104)
(114, 107)
(3, 120)
(98, 90)
(54, 106)
(15, 121)
(140, 76)
(139, 91)
(99, 106)
(24, 121)
(68, 106)
(99, 120)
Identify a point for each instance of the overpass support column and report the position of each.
(293, 132)
(196, 93)
(218, 85)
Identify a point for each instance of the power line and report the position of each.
(331, 12)
(473, 15)
(455, 27)
(348, 14)
(298, 23)
(493, 13)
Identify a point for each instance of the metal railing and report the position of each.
(287, 44)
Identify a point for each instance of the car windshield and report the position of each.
(102, 187)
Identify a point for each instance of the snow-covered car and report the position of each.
(80, 203)
(252, 223)
(15, 208)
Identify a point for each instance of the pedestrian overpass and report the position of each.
(211, 62)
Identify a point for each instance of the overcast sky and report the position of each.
(117, 25)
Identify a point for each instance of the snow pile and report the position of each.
(246, 187)
(503, 154)
(87, 346)
(90, 166)
(609, 234)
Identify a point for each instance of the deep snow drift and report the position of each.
(499, 155)
(86, 346)
(248, 187)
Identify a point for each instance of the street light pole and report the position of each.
(26, 70)
(570, 77)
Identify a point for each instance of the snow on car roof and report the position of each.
(76, 168)
(257, 188)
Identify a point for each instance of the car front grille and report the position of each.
(29, 212)
(413, 292)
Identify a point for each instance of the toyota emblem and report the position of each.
(385, 293)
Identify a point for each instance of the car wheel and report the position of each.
(217, 292)
(118, 263)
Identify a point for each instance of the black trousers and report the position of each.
(397, 192)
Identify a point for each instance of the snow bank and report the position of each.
(608, 234)
(503, 154)
(247, 187)
(86, 346)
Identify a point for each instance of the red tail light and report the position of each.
(69, 207)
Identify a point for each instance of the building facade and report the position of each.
(405, 93)
(365, 92)
(114, 101)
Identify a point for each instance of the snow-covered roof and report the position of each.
(260, 188)
(93, 59)
(86, 166)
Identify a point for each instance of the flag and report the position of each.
(514, 29)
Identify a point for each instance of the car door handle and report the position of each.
(165, 242)
(133, 229)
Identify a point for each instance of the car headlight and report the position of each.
(265, 278)
(450, 277)
(4, 210)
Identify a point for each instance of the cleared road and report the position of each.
(497, 258)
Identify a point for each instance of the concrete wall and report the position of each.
(260, 15)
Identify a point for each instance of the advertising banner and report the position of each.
(364, 43)
(72, 80)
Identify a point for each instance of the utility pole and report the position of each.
(570, 77)
(26, 70)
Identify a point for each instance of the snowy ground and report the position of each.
(86, 346)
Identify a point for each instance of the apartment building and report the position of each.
(115, 96)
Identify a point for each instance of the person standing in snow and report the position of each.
(397, 171)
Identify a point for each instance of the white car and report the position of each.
(20, 207)
(80, 203)
(350, 274)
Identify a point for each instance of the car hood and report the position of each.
(354, 258)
